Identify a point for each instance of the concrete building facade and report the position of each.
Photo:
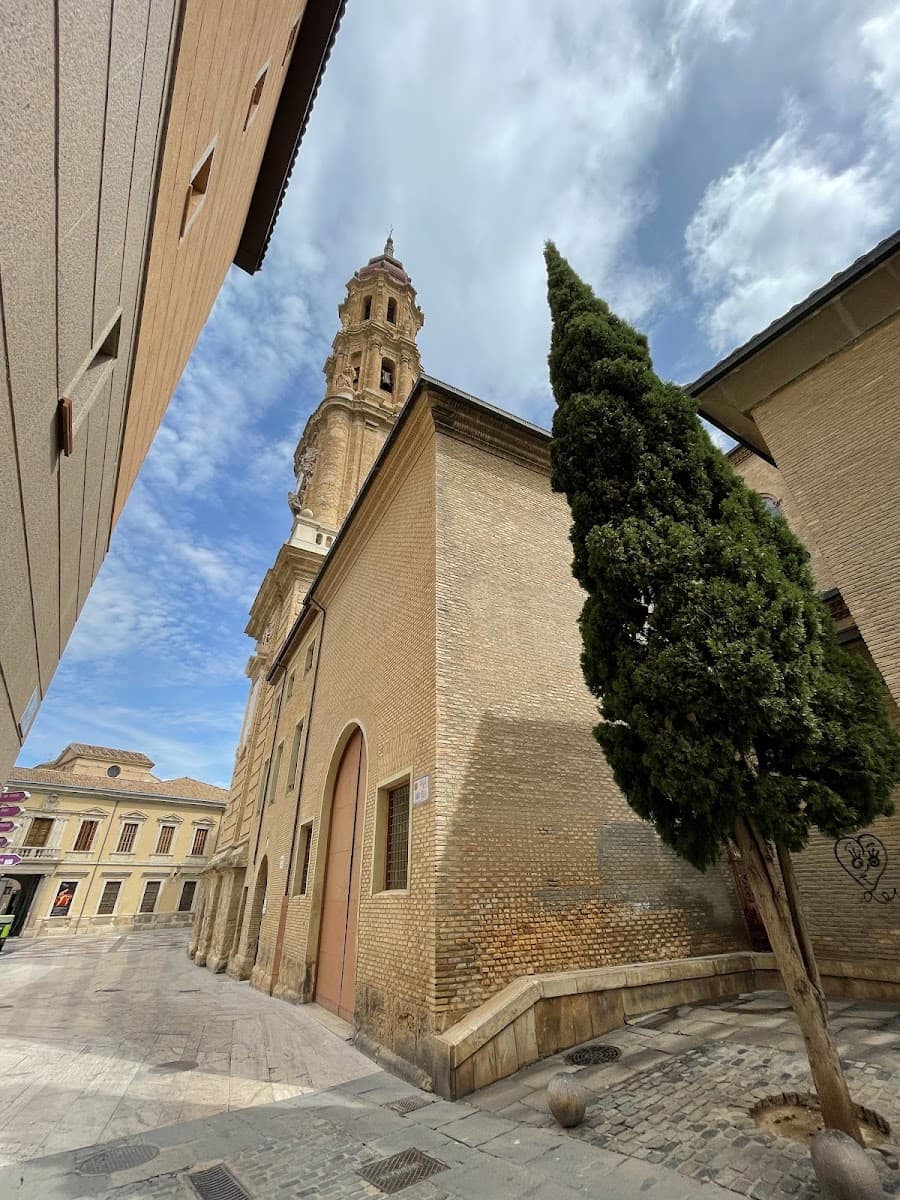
(420, 814)
(145, 147)
(106, 845)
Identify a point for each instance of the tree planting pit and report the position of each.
(797, 1117)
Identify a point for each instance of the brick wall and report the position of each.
(844, 924)
(835, 433)
(542, 866)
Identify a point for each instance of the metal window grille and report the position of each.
(164, 845)
(199, 841)
(396, 851)
(150, 896)
(85, 835)
(39, 831)
(186, 903)
(306, 834)
(108, 899)
(126, 837)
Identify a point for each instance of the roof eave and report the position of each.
(315, 38)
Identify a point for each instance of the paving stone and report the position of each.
(477, 1129)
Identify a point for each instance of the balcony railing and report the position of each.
(30, 853)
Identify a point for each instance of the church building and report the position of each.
(422, 834)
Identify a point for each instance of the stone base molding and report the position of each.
(539, 1015)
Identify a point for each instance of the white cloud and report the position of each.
(880, 41)
(777, 225)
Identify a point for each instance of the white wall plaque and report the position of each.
(421, 789)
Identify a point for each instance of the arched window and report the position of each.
(387, 375)
(392, 311)
(354, 367)
(367, 308)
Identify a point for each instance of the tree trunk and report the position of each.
(779, 905)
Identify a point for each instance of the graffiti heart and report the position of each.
(864, 858)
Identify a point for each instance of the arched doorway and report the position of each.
(336, 970)
(256, 913)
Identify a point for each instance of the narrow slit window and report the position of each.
(295, 754)
(367, 308)
(305, 847)
(309, 656)
(255, 96)
(392, 311)
(291, 42)
(197, 189)
(107, 905)
(81, 392)
(396, 850)
(386, 382)
(276, 771)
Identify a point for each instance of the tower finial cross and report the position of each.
(389, 244)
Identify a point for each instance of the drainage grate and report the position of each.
(119, 1158)
(217, 1183)
(107, 989)
(589, 1056)
(400, 1170)
(178, 1064)
(408, 1104)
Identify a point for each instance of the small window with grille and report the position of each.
(295, 754)
(150, 896)
(303, 859)
(164, 844)
(85, 838)
(392, 838)
(186, 903)
(127, 838)
(198, 846)
(310, 654)
(107, 904)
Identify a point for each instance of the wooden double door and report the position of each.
(336, 970)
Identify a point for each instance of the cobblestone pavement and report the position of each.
(104, 1037)
(682, 1091)
(316, 1145)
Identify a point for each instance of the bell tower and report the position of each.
(373, 364)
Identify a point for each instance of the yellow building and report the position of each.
(145, 146)
(106, 845)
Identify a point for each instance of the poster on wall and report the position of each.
(64, 896)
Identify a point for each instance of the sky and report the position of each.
(704, 164)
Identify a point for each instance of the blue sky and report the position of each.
(703, 163)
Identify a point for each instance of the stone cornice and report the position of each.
(458, 417)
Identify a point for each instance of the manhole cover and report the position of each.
(217, 1183)
(118, 1158)
(400, 1170)
(178, 1064)
(408, 1104)
(589, 1056)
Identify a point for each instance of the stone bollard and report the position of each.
(842, 1167)
(566, 1100)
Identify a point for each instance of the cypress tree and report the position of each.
(728, 709)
